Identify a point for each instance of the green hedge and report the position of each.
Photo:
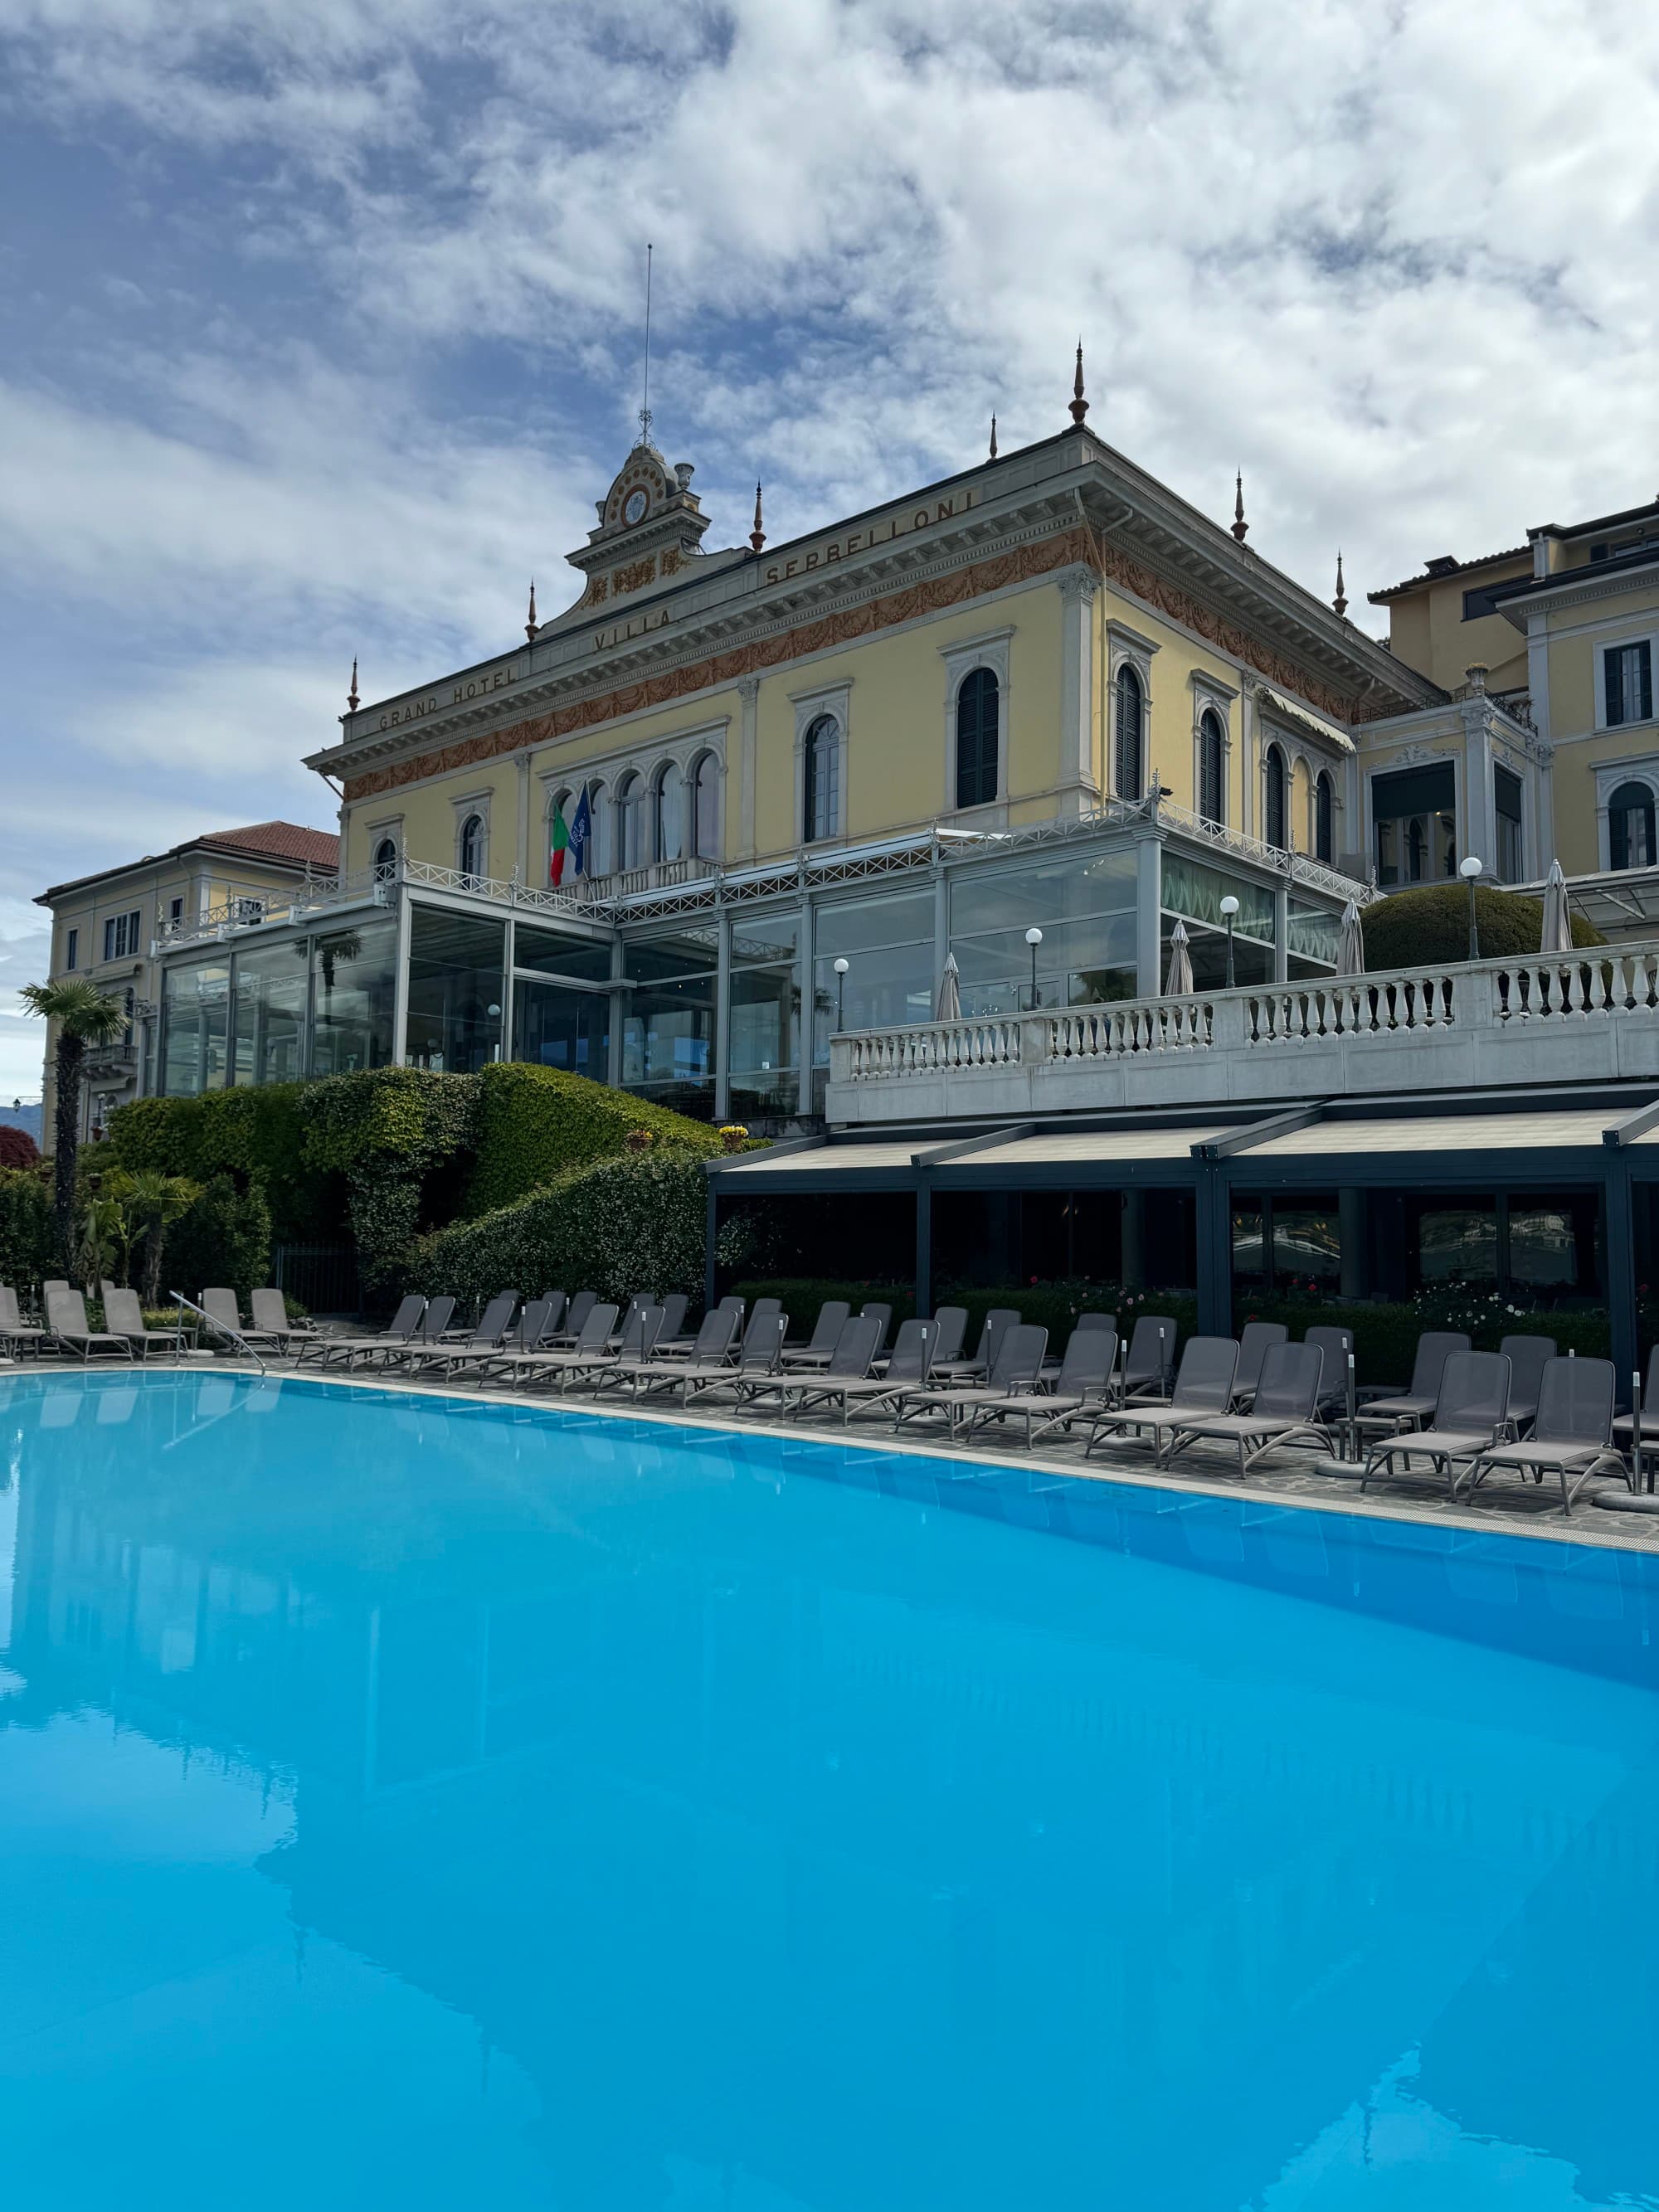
(536, 1124)
(1052, 1306)
(1385, 1336)
(617, 1227)
(225, 1239)
(28, 1247)
(1430, 927)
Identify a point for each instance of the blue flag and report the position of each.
(582, 831)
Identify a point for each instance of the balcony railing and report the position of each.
(1578, 1018)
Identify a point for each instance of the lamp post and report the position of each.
(842, 967)
(1229, 908)
(1469, 869)
(1034, 938)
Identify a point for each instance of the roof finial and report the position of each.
(645, 405)
(994, 437)
(1241, 528)
(1340, 602)
(351, 695)
(531, 624)
(757, 535)
(1079, 404)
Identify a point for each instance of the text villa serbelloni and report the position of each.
(828, 549)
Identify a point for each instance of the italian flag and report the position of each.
(559, 836)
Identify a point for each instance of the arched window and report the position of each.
(1211, 768)
(1131, 731)
(601, 832)
(1324, 819)
(470, 847)
(705, 796)
(386, 860)
(1630, 827)
(665, 818)
(821, 808)
(1273, 810)
(630, 821)
(976, 738)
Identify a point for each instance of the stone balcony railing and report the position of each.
(1591, 1016)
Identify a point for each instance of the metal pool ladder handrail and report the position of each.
(222, 1327)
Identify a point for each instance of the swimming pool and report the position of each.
(418, 1802)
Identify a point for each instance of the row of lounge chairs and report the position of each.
(125, 1336)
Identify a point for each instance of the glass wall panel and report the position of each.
(269, 1013)
(456, 990)
(668, 1033)
(1314, 933)
(690, 951)
(557, 1028)
(195, 1007)
(765, 938)
(1207, 948)
(1414, 811)
(1195, 893)
(887, 945)
(1456, 1241)
(1085, 905)
(1070, 886)
(765, 1024)
(560, 953)
(851, 926)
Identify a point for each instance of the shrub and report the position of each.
(28, 1250)
(535, 1124)
(225, 1239)
(17, 1148)
(1053, 1306)
(617, 1227)
(1430, 927)
(1385, 1334)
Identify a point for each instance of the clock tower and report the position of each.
(650, 528)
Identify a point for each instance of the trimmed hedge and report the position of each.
(225, 1239)
(1385, 1335)
(536, 1124)
(28, 1244)
(1430, 927)
(617, 1227)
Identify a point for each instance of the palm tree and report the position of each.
(85, 1016)
(152, 1203)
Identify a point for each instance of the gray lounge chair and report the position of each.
(66, 1318)
(270, 1312)
(1572, 1431)
(222, 1308)
(997, 1322)
(433, 1328)
(1255, 1340)
(851, 1361)
(494, 1328)
(819, 1348)
(124, 1317)
(949, 1327)
(527, 1333)
(1203, 1385)
(1625, 1425)
(905, 1369)
(1017, 1372)
(1085, 1380)
(673, 1314)
(575, 1319)
(1337, 1346)
(398, 1331)
(680, 1346)
(1470, 1416)
(524, 1368)
(629, 1351)
(762, 1345)
(1409, 1408)
(884, 1314)
(1528, 1356)
(1284, 1409)
(1149, 1363)
(712, 1348)
(18, 1334)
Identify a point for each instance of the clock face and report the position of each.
(633, 507)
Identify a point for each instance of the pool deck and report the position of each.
(1506, 1506)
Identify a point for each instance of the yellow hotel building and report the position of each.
(1043, 696)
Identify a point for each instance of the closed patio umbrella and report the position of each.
(1558, 922)
(949, 992)
(1351, 952)
(1178, 982)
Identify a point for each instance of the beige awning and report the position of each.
(1436, 1136)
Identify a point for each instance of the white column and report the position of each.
(399, 987)
(748, 753)
(1077, 788)
(723, 1021)
(1149, 915)
(809, 1017)
(1281, 930)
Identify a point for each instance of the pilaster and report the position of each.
(1077, 788)
(748, 757)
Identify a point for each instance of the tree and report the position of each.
(151, 1204)
(84, 1016)
(17, 1148)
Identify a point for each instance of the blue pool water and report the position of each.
(418, 1804)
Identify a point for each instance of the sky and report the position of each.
(320, 320)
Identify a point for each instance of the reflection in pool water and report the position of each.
(424, 1804)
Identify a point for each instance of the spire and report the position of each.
(1079, 404)
(351, 695)
(1241, 528)
(1340, 602)
(757, 535)
(994, 437)
(531, 624)
(644, 438)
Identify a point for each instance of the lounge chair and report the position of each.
(124, 1317)
(949, 1327)
(1572, 1431)
(712, 1347)
(221, 1307)
(997, 1322)
(819, 1348)
(1393, 1410)
(1337, 1346)
(762, 1344)
(1017, 1372)
(673, 1313)
(269, 1311)
(640, 1303)
(1149, 1363)
(626, 1352)
(1085, 1379)
(1284, 1409)
(1644, 1417)
(851, 1361)
(66, 1318)
(522, 1369)
(1469, 1417)
(397, 1331)
(677, 1345)
(20, 1335)
(433, 1328)
(527, 1333)
(1528, 1356)
(884, 1314)
(1203, 1385)
(1255, 1340)
(575, 1319)
(905, 1368)
(495, 1326)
